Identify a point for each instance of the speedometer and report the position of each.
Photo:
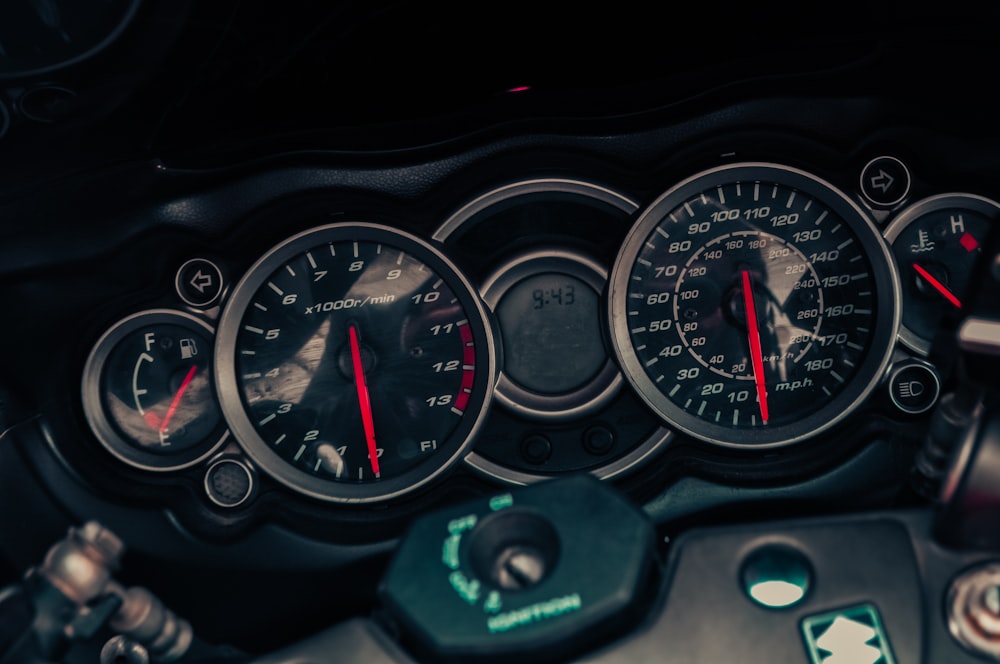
(355, 363)
(753, 305)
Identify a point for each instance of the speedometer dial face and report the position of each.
(356, 362)
(753, 304)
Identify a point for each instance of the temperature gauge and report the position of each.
(936, 243)
(148, 391)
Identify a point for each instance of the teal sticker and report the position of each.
(854, 635)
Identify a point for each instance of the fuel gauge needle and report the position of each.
(176, 401)
(756, 355)
(363, 398)
(937, 285)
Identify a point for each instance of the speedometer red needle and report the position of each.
(756, 355)
(938, 286)
(176, 401)
(366, 404)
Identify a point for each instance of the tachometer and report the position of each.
(753, 305)
(354, 362)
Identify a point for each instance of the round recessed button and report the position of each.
(776, 576)
(536, 448)
(598, 440)
(228, 482)
(199, 282)
(914, 387)
(885, 181)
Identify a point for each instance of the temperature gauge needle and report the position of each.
(937, 285)
(756, 355)
(176, 401)
(363, 398)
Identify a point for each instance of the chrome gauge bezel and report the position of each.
(538, 186)
(608, 384)
(93, 406)
(958, 200)
(230, 389)
(592, 395)
(882, 338)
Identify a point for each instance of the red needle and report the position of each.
(938, 286)
(177, 398)
(756, 356)
(366, 404)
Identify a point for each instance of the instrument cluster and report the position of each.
(548, 326)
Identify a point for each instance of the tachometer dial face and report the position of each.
(753, 305)
(355, 362)
(936, 243)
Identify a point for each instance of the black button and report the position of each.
(885, 181)
(228, 483)
(536, 449)
(199, 282)
(598, 440)
(914, 388)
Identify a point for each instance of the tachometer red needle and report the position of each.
(938, 286)
(756, 355)
(176, 401)
(366, 405)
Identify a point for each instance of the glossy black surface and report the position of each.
(218, 130)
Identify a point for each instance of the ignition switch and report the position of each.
(540, 573)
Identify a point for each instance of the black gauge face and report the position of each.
(149, 394)
(753, 305)
(556, 366)
(358, 360)
(551, 333)
(936, 243)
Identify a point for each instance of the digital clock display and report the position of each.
(550, 326)
(559, 295)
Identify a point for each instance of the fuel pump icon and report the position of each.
(188, 349)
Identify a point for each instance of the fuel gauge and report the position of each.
(148, 391)
(936, 243)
